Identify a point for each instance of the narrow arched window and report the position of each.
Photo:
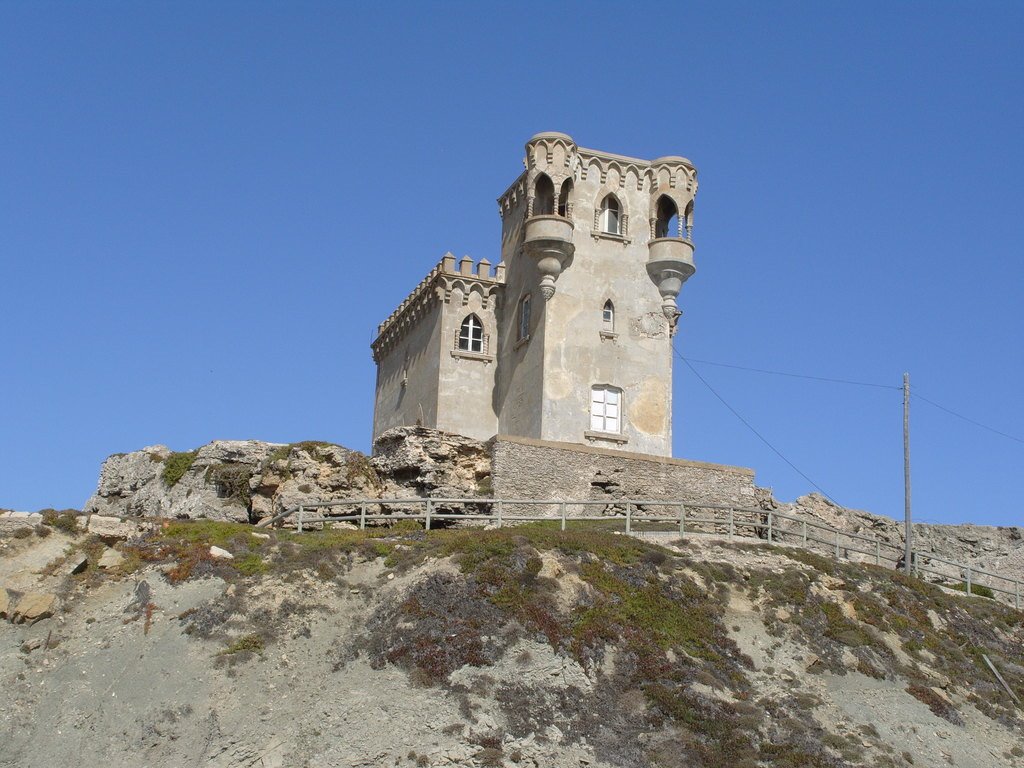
(564, 203)
(471, 335)
(611, 216)
(523, 329)
(543, 196)
(608, 317)
(667, 224)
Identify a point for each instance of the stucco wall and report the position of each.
(518, 394)
(534, 469)
(466, 391)
(415, 401)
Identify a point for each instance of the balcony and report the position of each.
(548, 240)
(670, 264)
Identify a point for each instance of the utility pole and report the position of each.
(907, 566)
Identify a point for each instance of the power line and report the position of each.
(749, 426)
(965, 418)
(791, 375)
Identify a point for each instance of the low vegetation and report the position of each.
(647, 624)
(176, 465)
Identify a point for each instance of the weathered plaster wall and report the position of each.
(534, 469)
(518, 394)
(466, 392)
(415, 401)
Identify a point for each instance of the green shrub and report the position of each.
(976, 589)
(232, 481)
(65, 520)
(246, 644)
(177, 464)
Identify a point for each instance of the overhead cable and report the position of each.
(757, 434)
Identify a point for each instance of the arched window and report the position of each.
(605, 409)
(667, 224)
(471, 335)
(611, 216)
(608, 317)
(523, 328)
(543, 196)
(564, 194)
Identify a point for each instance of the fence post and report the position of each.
(771, 521)
(562, 506)
(682, 520)
(803, 526)
(878, 553)
(429, 505)
(298, 528)
(629, 516)
(837, 544)
(968, 579)
(362, 516)
(499, 512)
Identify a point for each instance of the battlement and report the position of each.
(557, 155)
(447, 275)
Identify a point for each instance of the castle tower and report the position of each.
(568, 339)
(597, 247)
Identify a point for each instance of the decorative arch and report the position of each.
(666, 218)
(565, 199)
(608, 317)
(543, 195)
(471, 334)
(610, 215)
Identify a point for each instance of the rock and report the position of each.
(34, 606)
(220, 554)
(11, 521)
(5, 603)
(76, 563)
(31, 644)
(112, 528)
(110, 558)
(260, 535)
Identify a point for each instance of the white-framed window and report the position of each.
(471, 335)
(611, 215)
(606, 409)
(523, 329)
(608, 317)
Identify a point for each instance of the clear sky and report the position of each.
(206, 208)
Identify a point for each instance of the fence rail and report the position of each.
(682, 517)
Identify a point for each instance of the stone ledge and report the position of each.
(579, 448)
(611, 437)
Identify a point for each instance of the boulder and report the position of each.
(110, 558)
(113, 528)
(10, 521)
(220, 554)
(34, 606)
(76, 563)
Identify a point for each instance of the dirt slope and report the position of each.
(521, 647)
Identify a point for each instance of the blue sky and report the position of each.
(206, 208)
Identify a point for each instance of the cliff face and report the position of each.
(218, 644)
(247, 480)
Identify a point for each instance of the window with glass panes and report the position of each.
(605, 409)
(471, 335)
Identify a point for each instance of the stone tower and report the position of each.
(568, 339)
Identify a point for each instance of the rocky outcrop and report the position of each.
(991, 548)
(248, 480)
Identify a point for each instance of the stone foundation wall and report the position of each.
(523, 468)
